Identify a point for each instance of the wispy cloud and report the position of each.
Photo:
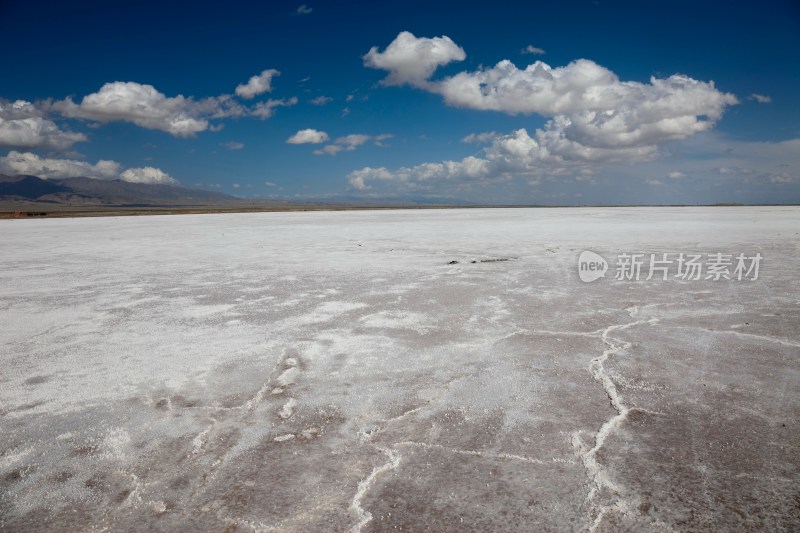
(321, 100)
(232, 145)
(348, 143)
(761, 99)
(530, 49)
(304, 10)
(480, 138)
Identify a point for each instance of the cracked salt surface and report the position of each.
(283, 378)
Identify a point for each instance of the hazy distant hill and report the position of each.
(89, 192)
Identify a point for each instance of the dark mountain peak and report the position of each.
(82, 190)
(28, 187)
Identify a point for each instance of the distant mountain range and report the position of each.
(93, 192)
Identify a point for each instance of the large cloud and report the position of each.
(413, 60)
(711, 161)
(518, 153)
(141, 104)
(594, 117)
(257, 84)
(601, 110)
(148, 175)
(412, 177)
(23, 126)
(46, 168)
(180, 116)
(32, 164)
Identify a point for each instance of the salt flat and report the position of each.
(333, 371)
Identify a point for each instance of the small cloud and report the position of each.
(782, 179)
(235, 185)
(321, 100)
(304, 10)
(676, 175)
(761, 99)
(734, 171)
(345, 111)
(270, 184)
(530, 49)
(256, 85)
(534, 182)
(349, 98)
(149, 175)
(232, 145)
(308, 136)
(654, 183)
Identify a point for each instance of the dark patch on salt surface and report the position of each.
(96, 482)
(37, 380)
(14, 475)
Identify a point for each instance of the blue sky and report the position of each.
(622, 111)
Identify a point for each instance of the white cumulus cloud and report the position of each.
(49, 168)
(22, 125)
(141, 104)
(149, 175)
(147, 107)
(308, 136)
(594, 117)
(45, 168)
(412, 177)
(413, 60)
(256, 85)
